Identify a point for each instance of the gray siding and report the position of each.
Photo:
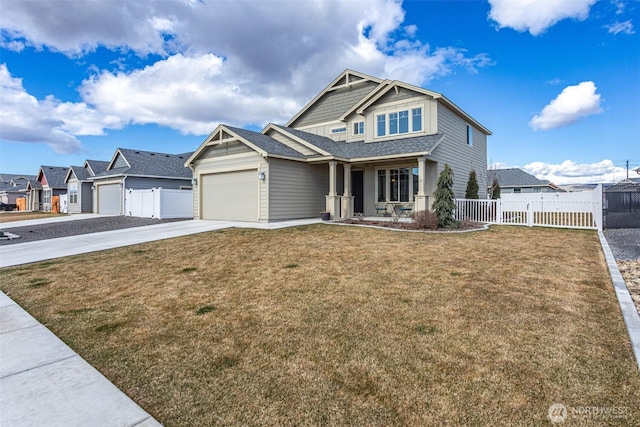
(402, 94)
(85, 196)
(334, 104)
(140, 183)
(120, 162)
(455, 151)
(296, 190)
(224, 149)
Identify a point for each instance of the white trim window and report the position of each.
(469, 136)
(397, 184)
(338, 130)
(46, 197)
(399, 122)
(73, 193)
(358, 128)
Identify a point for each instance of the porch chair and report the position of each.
(405, 210)
(381, 209)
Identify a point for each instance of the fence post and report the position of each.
(530, 213)
(499, 211)
(597, 207)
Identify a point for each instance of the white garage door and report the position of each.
(109, 199)
(230, 196)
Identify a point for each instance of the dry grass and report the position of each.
(23, 215)
(335, 325)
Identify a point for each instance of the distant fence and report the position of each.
(563, 210)
(159, 203)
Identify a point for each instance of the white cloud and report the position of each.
(536, 16)
(574, 103)
(569, 172)
(189, 94)
(625, 27)
(23, 118)
(240, 63)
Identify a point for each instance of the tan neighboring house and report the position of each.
(362, 145)
(79, 187)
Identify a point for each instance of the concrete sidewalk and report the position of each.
(45, 383)
(42, 380)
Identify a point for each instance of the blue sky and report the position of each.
(557, 82)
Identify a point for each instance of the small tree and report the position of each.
(495, 189)
(472, 186)
(444, 203)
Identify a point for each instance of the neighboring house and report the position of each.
(137, 169)
(514, 180)
(48, 184)
(363, 144)
(13, 186)
(80, 194)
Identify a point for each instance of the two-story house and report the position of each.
(362, 145)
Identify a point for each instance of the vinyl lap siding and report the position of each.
(455, 151)
(296, 190)
(140, 183)
(334, 104)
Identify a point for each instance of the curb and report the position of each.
(629, 312)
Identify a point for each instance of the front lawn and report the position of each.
(337, 325)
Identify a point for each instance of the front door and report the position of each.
(357, 183)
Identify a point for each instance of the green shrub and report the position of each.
(444, 204)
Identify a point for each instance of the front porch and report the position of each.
(389, 189)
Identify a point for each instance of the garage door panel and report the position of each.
(109, 199)
(230, 196)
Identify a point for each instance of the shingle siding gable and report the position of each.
(334, 104)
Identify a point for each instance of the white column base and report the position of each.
(422, 203)
(332, 204)
(347, 206)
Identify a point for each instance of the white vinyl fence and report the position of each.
(564, 210)
(159, 203)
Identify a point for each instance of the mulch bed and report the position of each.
(464, 225)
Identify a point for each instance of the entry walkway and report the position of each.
(42, 380)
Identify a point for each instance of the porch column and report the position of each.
(347, 198)
(422, 198)
(332, 200)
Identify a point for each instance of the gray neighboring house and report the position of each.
(514, 180)
(363, 144)
(137, 170)
(13, 186)
(80, 194)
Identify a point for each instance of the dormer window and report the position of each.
(397, 122)
(338, 130)
(358, 128)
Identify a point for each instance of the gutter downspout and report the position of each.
(197, 185)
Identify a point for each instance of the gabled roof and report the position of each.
(79, 172)
(322, 148)
(146, 164)
(625, 186)
(95, 167)
(514, 177)
(8, 177)
(54, 176)
(389, 85)
(346, 79)
(349, 78)
(353, 151)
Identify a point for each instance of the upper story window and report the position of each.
(397, 122)
(469, 136)
(358, 128)
(339, 130)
